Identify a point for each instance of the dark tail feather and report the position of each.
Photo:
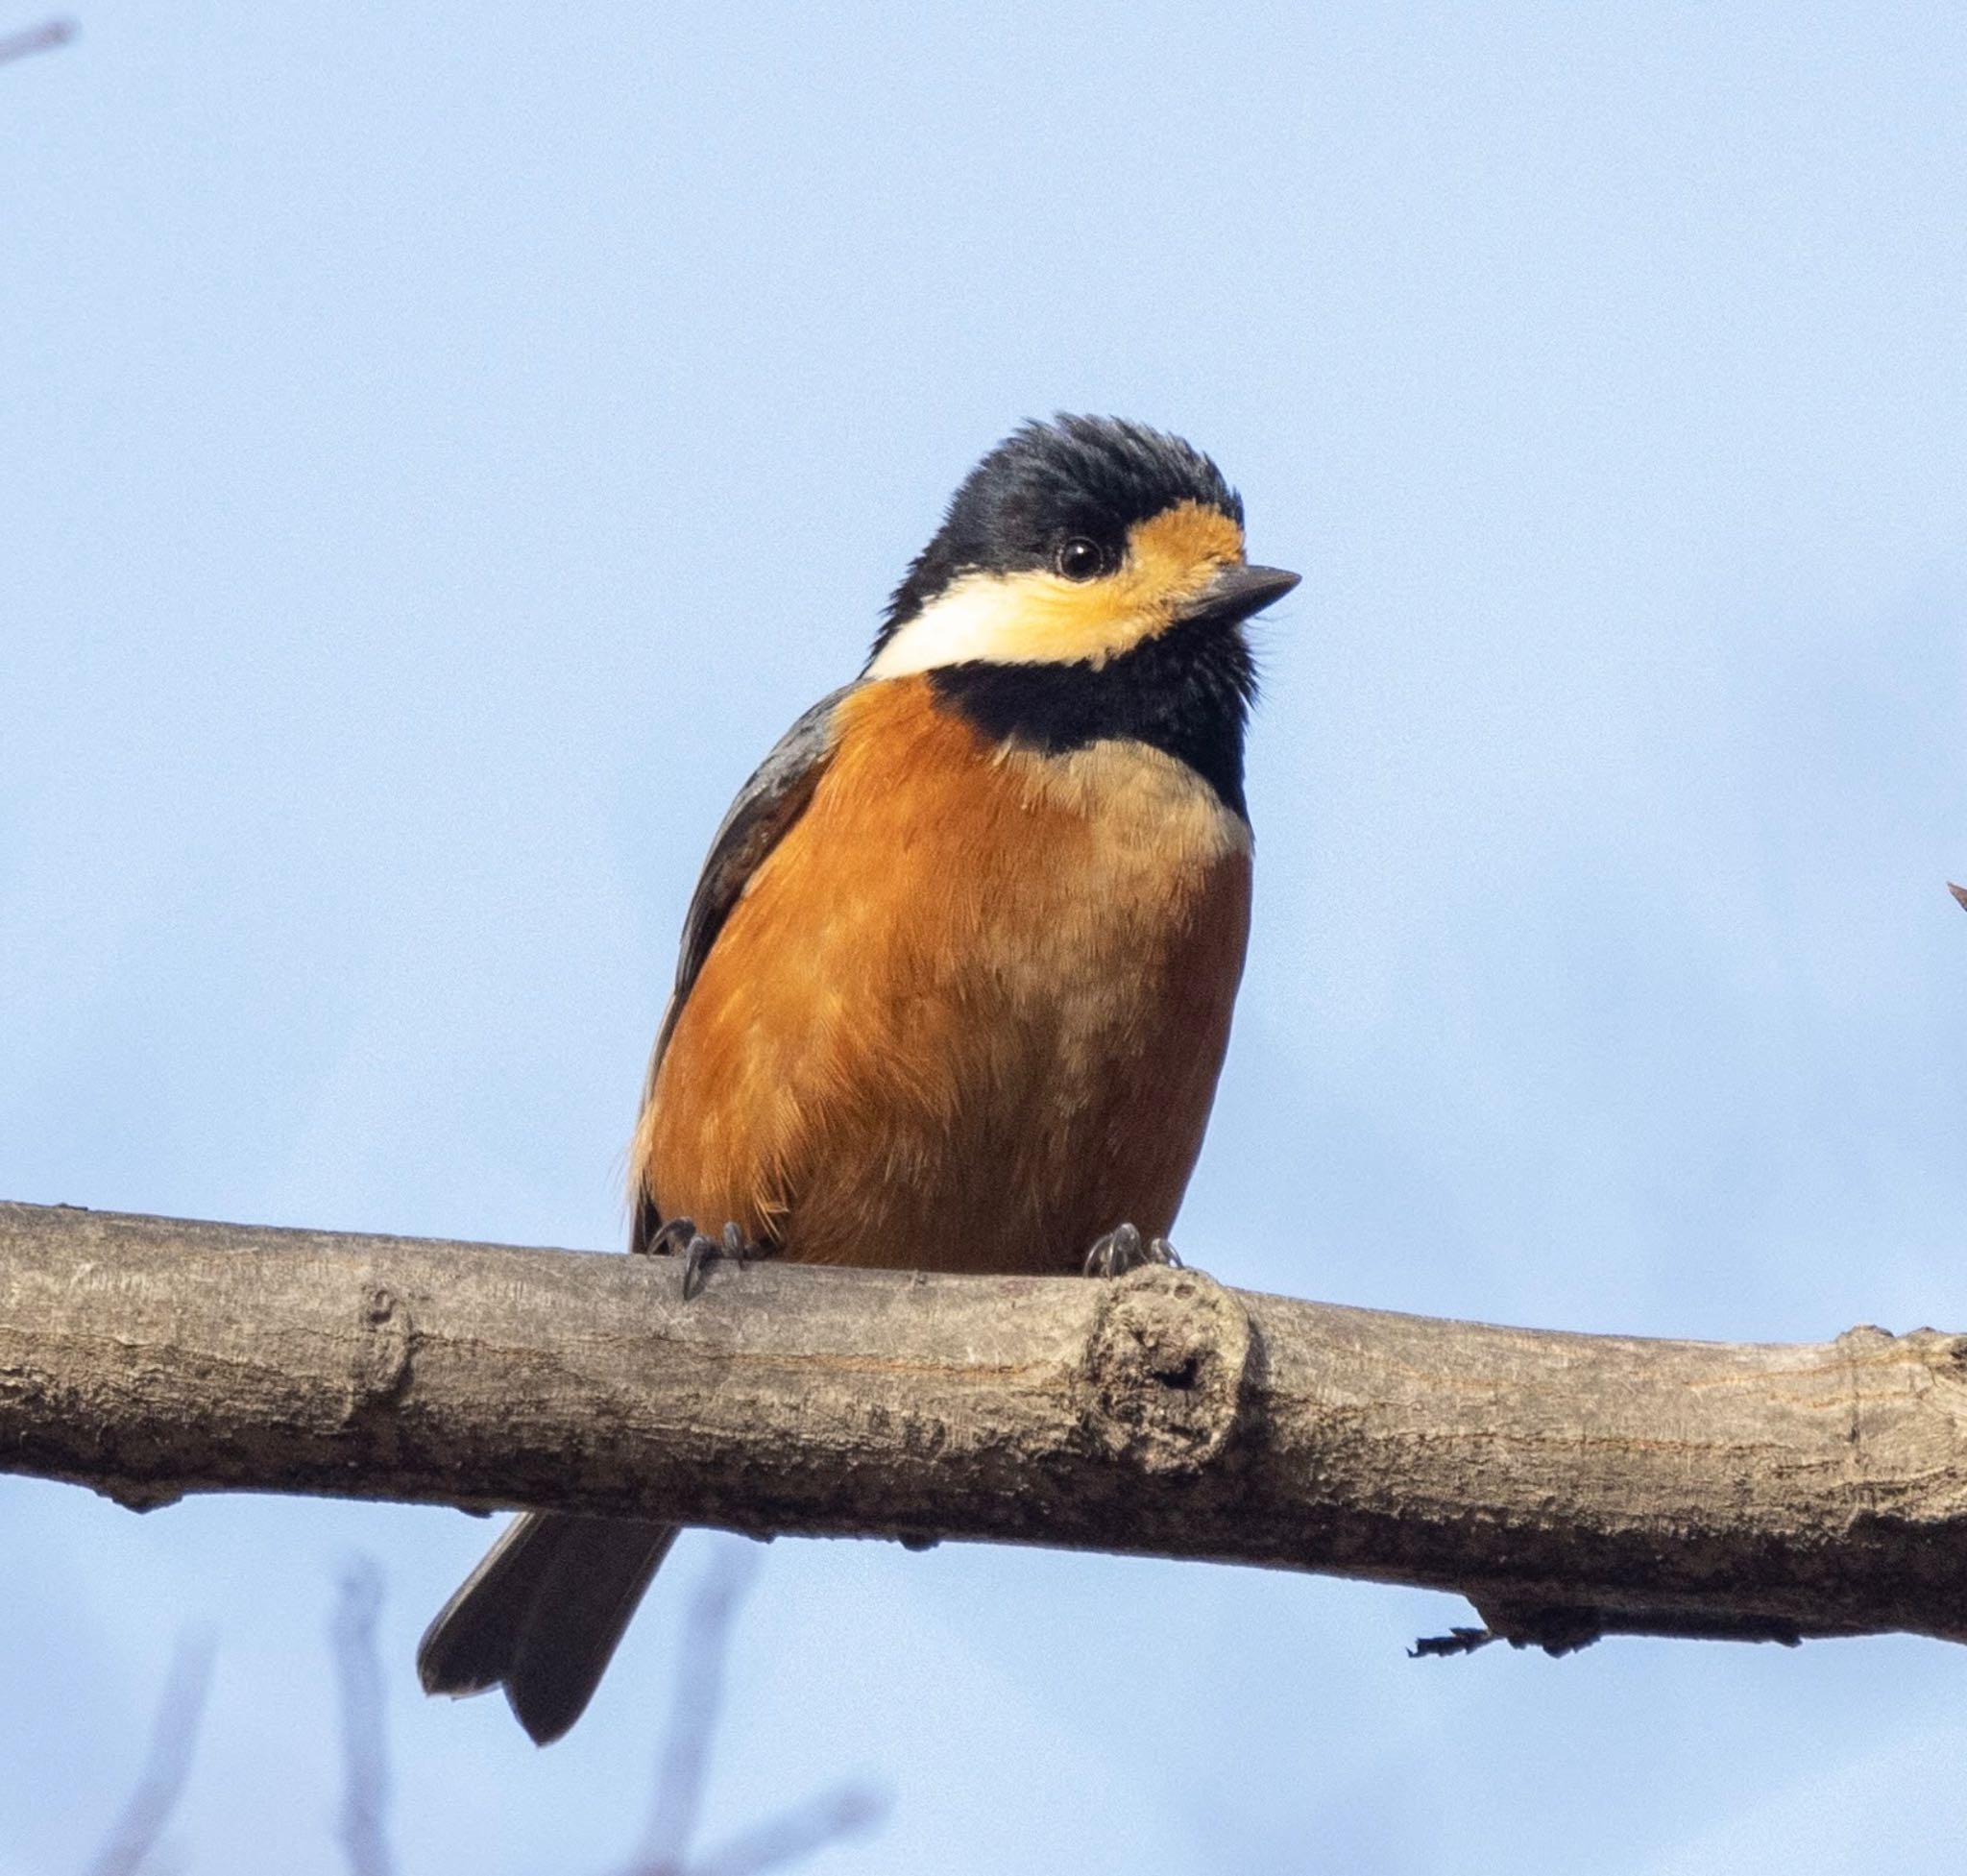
(542, 1614)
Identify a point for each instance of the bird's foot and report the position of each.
(1123, 1249)
(679, 1238)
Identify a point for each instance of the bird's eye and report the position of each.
(1079, 559)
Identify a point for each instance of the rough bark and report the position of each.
(1568, 1485)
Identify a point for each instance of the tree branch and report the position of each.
(1570, 1485)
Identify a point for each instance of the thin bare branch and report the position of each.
(684, 1769)
(847, 1810)
(791, 1837)
(167, 1765)
(363, 1825)
(44, 38)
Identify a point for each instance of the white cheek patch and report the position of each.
(977, 619)
(1032, 618)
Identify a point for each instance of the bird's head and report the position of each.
(1075, 542)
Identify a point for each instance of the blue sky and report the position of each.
(443, 448)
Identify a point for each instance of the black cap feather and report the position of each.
(1094, 477)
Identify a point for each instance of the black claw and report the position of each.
(1116, 1254)
(666, 1240)
(680, 1236)
(1123, 1249)
(696, 1254)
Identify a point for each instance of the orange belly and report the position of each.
(969, 1012)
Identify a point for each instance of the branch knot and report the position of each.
(1165, 1368)
(380, 1368)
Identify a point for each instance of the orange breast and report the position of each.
(969, 1013)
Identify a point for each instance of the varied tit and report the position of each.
(955, 982)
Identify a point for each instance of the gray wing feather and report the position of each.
(767, 806)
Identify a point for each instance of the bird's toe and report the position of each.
(1123, 1249)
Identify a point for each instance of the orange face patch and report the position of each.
(1176, 543)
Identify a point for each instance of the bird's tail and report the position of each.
(542, 1614)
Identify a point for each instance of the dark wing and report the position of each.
(767, 806)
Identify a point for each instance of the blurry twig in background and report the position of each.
(136, 1846)
(795, 1835)
(174, 1735)
(792, 1835)
(44, 38)
(694, 1718)
(363, 1825)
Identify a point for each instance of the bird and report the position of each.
(955, 986)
